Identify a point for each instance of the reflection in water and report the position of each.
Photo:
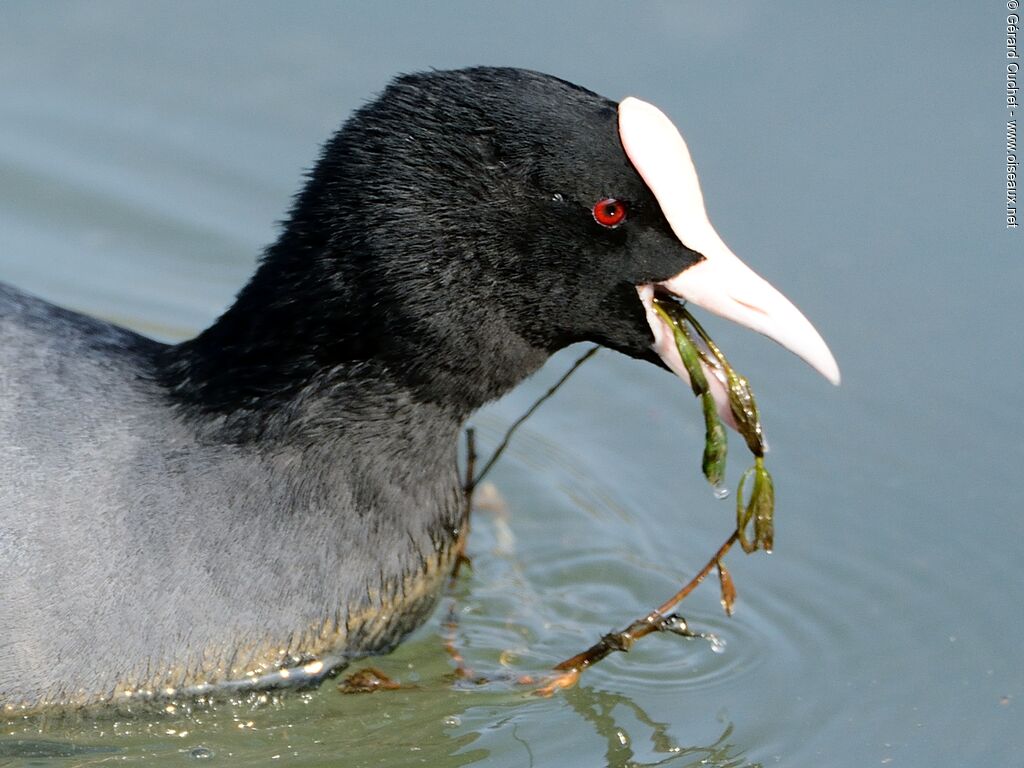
(394, 723)
(43, 748)
(597, 707)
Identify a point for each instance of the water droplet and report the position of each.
(717, 643)
(721, 492)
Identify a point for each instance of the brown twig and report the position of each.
(679, 596)
(530, 411)
(468, 486)
(658, 620)
(450, 627)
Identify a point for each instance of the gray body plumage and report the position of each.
(140, 547)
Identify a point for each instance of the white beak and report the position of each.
(721, 283)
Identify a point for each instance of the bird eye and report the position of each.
(609, 212)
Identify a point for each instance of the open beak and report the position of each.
(720, 283)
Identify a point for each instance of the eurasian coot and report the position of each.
(279, 495)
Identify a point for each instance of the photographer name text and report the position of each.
(1012, 70)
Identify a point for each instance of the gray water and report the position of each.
(853, 155)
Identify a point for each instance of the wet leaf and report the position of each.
(744, 410)
(743, 514)
(727, 587)
(368, 680)
(715, 443)
(676, 317)
(763, 501)
(760, 509)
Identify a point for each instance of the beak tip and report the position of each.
(829, 368)
(822, 360)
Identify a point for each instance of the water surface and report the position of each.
(852, 155)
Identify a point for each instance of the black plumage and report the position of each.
(282, 489)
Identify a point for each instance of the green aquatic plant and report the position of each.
(696, 357)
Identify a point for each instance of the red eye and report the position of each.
(609, 212)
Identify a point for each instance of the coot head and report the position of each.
(464, 226)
